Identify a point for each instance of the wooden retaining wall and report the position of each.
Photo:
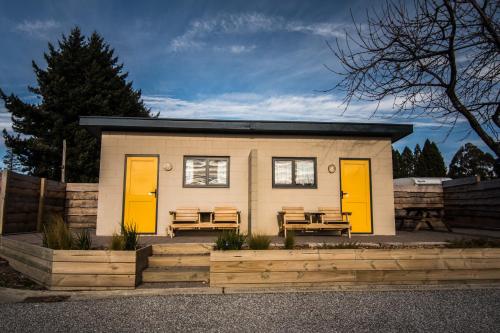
(311, 268)
(472, 203)
(81, 205)
(75, 269)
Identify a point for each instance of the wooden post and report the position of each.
(3, 192)
(63, 164)
(41, 204)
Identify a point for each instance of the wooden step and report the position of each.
(184, 274)
(179, 260)
(183, 248)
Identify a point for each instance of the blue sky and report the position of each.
(212, 59)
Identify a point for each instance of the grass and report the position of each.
(56, 234)
(259, 242)
(117, 243)
(229, 240)
(83, 240)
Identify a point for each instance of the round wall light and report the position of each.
(332, 168)
(167, 166)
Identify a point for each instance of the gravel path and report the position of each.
(389, 311)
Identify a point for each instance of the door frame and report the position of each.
(370, 184)
(157, 188)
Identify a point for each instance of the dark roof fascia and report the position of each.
(96, 125)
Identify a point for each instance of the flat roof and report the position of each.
(96, 125)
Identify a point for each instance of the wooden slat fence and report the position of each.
(81, 205)
(472, 203)
(417, 196)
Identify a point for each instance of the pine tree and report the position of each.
(407, 163)
(82, 77)
(11, 162)
(430, 162)
(418, 171)
(469, 161)
(397, 171)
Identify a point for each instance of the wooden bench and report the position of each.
(335, 218)
(295, 218)
(190, 219)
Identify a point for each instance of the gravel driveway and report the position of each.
(388, 311)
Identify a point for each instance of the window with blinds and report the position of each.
(204, 171)
(295, 172)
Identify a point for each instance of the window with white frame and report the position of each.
(206, 171)
(295, 172)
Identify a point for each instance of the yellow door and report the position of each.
(355, 193)
(140, 193)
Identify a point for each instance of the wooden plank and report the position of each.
(95, 256)
(81, 211)
(41, 202)
(92, 280)
(30, 271)
(81, 196)
(186, 248)
(81, 203)
(331, 265)
(79, 187)
(268, 255)
(34, 250)
(281, 277)
(179, 261)
(447, 274)
(427, 253)
(78, 267)
(36, 262)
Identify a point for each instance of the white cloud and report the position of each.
(281, 107)
(248, 23)
(38, 28)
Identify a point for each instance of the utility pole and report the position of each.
(63, 165)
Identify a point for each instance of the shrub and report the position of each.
(290, 240)
(117, 243)
(229, 240)
(130, 237)
(83, 240)
(259, 242)
(56, 234)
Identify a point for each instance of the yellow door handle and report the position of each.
(152, 193)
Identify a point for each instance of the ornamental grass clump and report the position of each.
(56, 234)
(83, 240)
(130, 237)
(259, 242)
(117, 243)
(229, 240)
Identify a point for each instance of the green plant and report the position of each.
(117, 243)
(259, 242)
(130, 237)
(56, 234)
(83, 240)
(290, 240)
(229, 240)
(471, 243)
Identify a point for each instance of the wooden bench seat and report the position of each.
(190, 219)
(295, 218)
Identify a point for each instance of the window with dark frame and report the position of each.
(206, 171)
(294, 172)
